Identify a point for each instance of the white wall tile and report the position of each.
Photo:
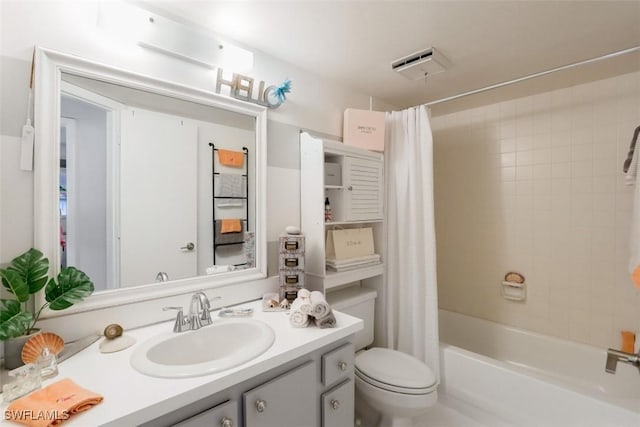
(550, 203)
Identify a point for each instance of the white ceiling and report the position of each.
(487, 42)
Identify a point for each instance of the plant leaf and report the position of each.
(33, 267)
(14, 283)
(13, 321)
(72, 286)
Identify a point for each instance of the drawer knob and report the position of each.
(261, 405)
(342, 366)
(226, 422)
(335, 404)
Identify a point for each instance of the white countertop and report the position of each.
(131, 398)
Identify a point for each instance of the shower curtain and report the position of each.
(412, 299)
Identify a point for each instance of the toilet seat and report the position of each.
(394, 371)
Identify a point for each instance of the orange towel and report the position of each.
(636, 277)
(52, 405)
(230, 226)
(231, 158)
(628, 341)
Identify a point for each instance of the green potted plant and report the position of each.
(26, 275)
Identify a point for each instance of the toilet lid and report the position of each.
(394, 371)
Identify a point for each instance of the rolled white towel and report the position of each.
(297, 318)
(305, 301)
(328, 321)
(319, 305)
(215, 269)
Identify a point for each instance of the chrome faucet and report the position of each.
(181, 324)
(615, 356)
(199, 311)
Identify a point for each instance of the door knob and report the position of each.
(190, 246)
(335, 404)
(261, 405)
(226, 422)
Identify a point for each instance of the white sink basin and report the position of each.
(224, 344)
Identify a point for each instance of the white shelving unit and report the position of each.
(357, 201)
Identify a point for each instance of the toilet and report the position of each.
(399, 386)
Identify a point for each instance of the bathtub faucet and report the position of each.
(615, 356)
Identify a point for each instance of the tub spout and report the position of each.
(615, 356)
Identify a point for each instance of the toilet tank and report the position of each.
(357, 302)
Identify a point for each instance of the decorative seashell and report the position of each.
(285, 304)
(272, 303)
(33, 347)
(113, 331)
(514, 277)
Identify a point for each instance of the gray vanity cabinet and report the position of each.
(338, 405)
(288, 400)
(223, 415)
(314, 390)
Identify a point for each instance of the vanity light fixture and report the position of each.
(161, 34)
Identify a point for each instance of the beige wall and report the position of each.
(535, 185)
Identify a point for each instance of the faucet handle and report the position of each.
(205, 316)
(181, 323)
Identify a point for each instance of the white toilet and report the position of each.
(397, 385)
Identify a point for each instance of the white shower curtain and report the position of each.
(412, 298)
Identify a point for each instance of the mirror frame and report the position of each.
(49, 66)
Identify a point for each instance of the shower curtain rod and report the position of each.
(530, 76)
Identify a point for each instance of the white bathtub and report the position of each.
(531, 379)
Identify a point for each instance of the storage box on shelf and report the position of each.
(291, 265)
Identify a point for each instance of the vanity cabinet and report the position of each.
(314, 390)
(283, 401)
(338, 404)
(223, 415)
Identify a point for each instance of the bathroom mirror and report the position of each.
(150, 187)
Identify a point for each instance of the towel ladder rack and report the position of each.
(215, 197)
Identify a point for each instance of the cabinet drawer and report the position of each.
(292, 244)
(291, 261)
(337, 364)
(292, 278)
(223, 415)
(338, 406)
(288, 400)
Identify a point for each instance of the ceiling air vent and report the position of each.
(419, 64)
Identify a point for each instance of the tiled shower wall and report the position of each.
(535, 185)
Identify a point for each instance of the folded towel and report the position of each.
(305, 301)
(221, 238)
(319, 305)
(215, 269)
(231, 185)
(297, 318)
(634, 235)
(229, 203)
(328, 321)
(52, 405)
(628, 341)
(230, 226)
(231, 158)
